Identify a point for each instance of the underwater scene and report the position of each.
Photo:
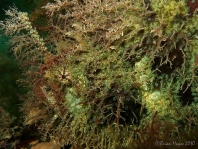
(99, 74)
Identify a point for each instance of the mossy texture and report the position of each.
(110, 74)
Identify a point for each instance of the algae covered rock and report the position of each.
(109, 74)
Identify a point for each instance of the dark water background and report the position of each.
(9, 69)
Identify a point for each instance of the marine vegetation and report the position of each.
(109, 74)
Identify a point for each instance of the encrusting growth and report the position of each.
(107, 73)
